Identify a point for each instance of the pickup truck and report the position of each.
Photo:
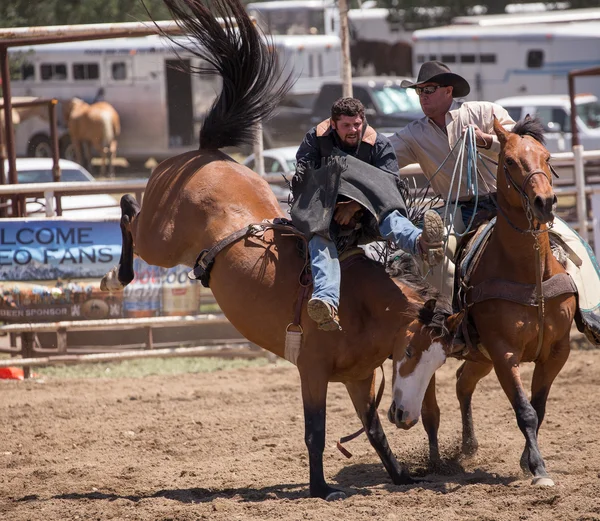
(388, 108)
(554, 111)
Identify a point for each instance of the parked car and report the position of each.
(277, 161)
(554, 111)
(39, 170)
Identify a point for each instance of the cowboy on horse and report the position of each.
(431, 142)
(347, 181)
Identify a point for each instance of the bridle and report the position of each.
(534, 230)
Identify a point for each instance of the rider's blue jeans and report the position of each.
(325, 264)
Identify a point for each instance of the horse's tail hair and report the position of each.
(109, 131)
(116, 123)
(239, 52)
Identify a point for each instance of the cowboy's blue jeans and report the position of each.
(325, 264)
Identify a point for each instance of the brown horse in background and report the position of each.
(510, 331)
(96, 125)
(196, 200)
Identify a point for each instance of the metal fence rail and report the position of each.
(579, 189)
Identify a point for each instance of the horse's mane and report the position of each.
(530, 127)
(242, 55)
(405, 269)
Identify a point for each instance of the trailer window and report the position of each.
(119, 71)
(467, 58)
(86, 71)
(420, 58)
(53, 71)
(25, 72)
(535, 59)
(487, 58)
(449, 58)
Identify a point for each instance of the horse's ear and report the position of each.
(430, 304)
(453, 321)
(528, 117)
(500, 131)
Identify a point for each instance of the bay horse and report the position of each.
(96, 125)
(511, 329)
(203, 198)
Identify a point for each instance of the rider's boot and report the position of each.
(324, 314)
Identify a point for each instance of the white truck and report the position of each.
(554, 111)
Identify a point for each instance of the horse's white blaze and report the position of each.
(410, 390)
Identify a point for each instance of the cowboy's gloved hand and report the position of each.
(430, 243)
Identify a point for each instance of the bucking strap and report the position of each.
(206, 258)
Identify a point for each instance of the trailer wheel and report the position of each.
(67, 150)
(39, 146)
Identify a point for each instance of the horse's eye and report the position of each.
(409, 352)
(509, 161)
(548, 159)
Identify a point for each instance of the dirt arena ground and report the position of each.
(229, 446)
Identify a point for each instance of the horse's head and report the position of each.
(429, 342)
(524, 175)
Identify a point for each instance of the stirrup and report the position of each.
(324, 314)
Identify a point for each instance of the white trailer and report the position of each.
(161, 106)
(509, 60)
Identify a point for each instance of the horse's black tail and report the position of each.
(238, 52)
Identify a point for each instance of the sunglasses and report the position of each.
(430, 89)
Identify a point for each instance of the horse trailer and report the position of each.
(511, 60)
(161, 106)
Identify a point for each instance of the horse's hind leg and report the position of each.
(543, 376)
(122, 274)
(362, 394)
(314, 398)
(467, 376)
(430, 413)
(112, 154)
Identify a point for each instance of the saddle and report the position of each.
(468, 257)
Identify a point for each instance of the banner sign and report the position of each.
(53, 249)
(50, 270)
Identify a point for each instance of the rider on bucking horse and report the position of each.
(430, 141)
(347, 178)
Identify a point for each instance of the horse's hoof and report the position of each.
(336, 495)
(542, 481)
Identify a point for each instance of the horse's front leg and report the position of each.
(543, 376)
(314, 398)
(362, 393)
(507, 369)
(467, 376)
(430, 413)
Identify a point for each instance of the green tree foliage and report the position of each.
(26, 13)
(418, 14)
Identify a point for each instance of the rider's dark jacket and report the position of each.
(374, 148)
(327, 171)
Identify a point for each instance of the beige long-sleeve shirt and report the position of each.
(423, 142)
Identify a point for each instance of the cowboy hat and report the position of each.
(438, 72)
